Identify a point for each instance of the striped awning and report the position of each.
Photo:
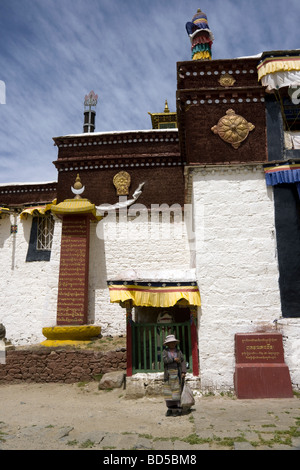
(154, 294)
(278, 63)
(4, 210)
(283, 173)
(37, 210)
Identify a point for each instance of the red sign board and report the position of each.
(72, 304)
(260, 370)
(263, 348)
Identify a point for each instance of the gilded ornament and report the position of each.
(227, 80)
(78, 188)
(233, 129)
(121, 182)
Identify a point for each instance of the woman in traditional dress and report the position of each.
(174, 371)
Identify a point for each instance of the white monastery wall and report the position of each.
(236, 265)
(237, 269)
(31, 288)
(50, 303)
(24, 285)
(139, 244)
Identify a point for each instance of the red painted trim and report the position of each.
(129, 348)
(195, 349)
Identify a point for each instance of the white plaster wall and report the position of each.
(139, 244)
(50, 301)
(29, 300)
(23, 285)
(237, 269)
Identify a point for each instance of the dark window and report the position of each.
(287, 220)
(39, 248)
(291, 113)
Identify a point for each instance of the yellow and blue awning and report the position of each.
(154, 294)
(283, 173)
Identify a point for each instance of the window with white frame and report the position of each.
(45, 226)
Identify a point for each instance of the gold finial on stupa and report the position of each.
(166, 110)
(165, 119)
(78, 188)
(78, 184)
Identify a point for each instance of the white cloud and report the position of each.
(56, 51)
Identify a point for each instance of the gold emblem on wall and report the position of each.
(122, 182)
(233, 129)
(227, 80)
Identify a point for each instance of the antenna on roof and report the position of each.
(89, 113)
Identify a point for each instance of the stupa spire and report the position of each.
(200, 35)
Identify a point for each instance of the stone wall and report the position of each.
(59, 365)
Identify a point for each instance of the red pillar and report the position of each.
(72, 302)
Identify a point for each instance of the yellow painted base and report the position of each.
(70, 335)
(67, 342)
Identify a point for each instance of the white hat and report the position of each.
(171, 339)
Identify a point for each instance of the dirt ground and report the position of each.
(43, 416)
(80, 416)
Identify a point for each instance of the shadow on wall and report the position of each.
(97, 270)
(5, 225)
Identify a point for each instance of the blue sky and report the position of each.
(53, 52)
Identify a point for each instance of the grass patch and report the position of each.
(279, 437)
(146, 436)
(72, 443)
(193, 439)
(107, 343)
(82, 384)
(297, 421)
(88, 444)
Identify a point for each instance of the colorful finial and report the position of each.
(200, 35)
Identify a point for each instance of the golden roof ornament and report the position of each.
(122, 182)
(78, 188)
(227, 80)
(166, 110)
(164, 120)
(233, 129)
